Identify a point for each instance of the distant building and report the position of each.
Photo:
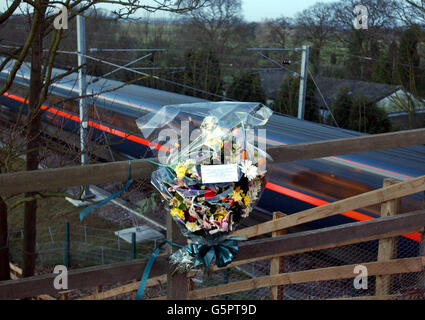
(400, 101)
(372, 91)
(403, 109)
(391, 98)
(271, 80)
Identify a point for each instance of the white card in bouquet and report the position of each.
(219, 173)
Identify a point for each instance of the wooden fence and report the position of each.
(385, 229)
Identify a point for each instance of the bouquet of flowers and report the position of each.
(213, 182)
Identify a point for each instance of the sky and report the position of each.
(255, 10)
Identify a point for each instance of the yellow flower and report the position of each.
(177, 212)
(236, 195)
(218, 217)
(247, 200)
(180, 170)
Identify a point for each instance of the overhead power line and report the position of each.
(124, 50)
(154, 77)
(367, 58)
(323, 98)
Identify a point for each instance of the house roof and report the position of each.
(372, 91)
(271, 80)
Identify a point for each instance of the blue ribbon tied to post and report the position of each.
(224, 253)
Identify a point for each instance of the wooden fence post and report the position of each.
(98, 289)
(4, 243)
(277, 264)
(178, 284)
(387, 249)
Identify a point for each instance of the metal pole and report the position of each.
(51, 236)
(82, 84)
(133, 246)
(66, 257)
(124, 50)
(303, 82)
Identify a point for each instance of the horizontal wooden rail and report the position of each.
(258, 249)
(330, 237)
(343, 146)
(81, 278)
(45, 297)
(332, 273)
(359, 201)
(53, 179)
(126, 288)
(383, 297)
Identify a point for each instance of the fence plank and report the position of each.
(386, 297)
(360, 201)
(125, 289)
(277, 264)
(53, 179)
(81, 278)
(16, 273)
(178, 284)
(330, 237)
(342, 272)
(257, 249)
(335, 147)
(387, 248)
(45, 297)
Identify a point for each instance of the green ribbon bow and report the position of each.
(224, 252)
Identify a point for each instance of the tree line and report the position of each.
(206, 49)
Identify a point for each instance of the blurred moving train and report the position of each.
(293, 187)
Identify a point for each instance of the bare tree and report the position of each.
(315, 26)
(277, 31)
(216, 21)
(41, 46)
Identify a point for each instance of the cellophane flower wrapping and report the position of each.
(198, 139)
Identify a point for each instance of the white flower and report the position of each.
(248, 169)
(192, 226)
(209, 123)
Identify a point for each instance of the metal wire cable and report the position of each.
(321, 95)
